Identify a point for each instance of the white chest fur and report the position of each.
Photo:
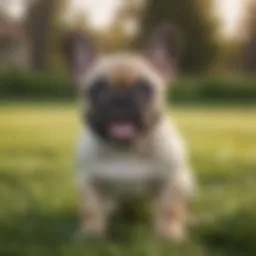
(152, 161)
(127, 174)
(126, 168)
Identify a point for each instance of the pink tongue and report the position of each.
(122, 130)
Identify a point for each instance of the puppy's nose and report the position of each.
(121, 102)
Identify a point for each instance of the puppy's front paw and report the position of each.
(90, 232)
(173, 231)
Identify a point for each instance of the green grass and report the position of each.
(38, 202)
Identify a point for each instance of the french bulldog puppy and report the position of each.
(128, 147)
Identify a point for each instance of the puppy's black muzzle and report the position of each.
(121, 107)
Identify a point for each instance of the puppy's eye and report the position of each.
(97, 88)
(143, 89)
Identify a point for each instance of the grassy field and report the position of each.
(38, 203)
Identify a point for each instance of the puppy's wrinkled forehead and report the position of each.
(123, 71)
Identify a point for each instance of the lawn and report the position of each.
(38, 203)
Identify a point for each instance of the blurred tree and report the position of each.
(249, 46)
(48, 20)
(55, 35)
(40, 24)
(195, 20)
(4, 10)
(227, 60)
(122, 30)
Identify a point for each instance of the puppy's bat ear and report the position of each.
(164, 49)
(79, 53)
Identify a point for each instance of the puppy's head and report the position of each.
(123, 94)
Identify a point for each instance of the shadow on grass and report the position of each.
(38, 232)
(233, 235)
(39, 228)
(53, 234)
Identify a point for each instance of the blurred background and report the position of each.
(220, 40)
(213, 102)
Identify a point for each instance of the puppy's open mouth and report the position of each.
(122, 130)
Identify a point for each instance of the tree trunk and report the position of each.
(39, 24)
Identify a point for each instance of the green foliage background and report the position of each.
(198, 27)
(229, 89)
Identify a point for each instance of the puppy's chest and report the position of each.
(129, 173)
(125, 168)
